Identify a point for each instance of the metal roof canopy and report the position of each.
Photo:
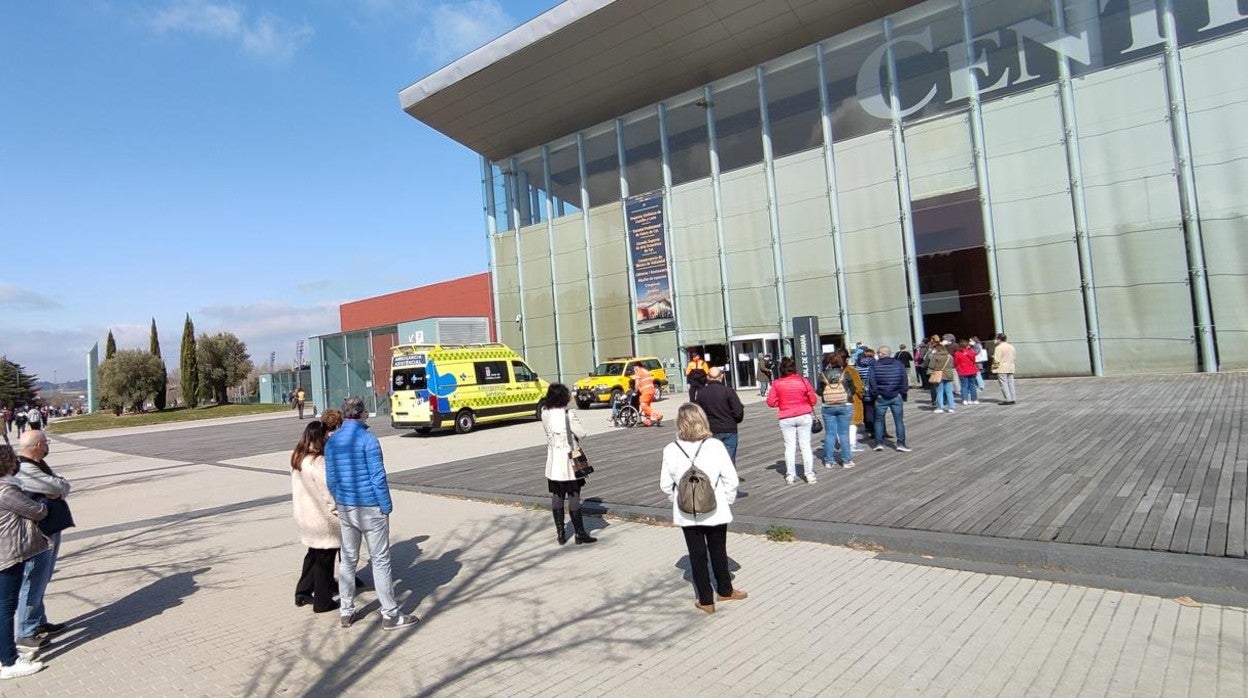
(588, 61)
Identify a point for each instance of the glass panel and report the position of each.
(1217, 109)
(336, 369)
(502, 199)
(1037, 259)
(1017, 45)
(875, 273)
(602, 168)
(539, 300)
(806, 238)
(692, 223)
(793, 107)
(1203, 21)
(507, 288)
(360, 368)
(749, 255)
(953, 265)
(531, 179)
(687, 147)
(565, 179)
(572, 293)
(856, 111)
(1134, 222)
(939, 157)
(643, 154)
(738, 128)
(613, 314)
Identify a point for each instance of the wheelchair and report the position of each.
(626, 410)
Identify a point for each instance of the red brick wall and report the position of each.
(465, 297)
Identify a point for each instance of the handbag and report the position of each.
(816, 424)
(576, 457)
(59, 517)
(939, 375)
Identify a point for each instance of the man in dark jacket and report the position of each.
(723, 409)
(888, 384)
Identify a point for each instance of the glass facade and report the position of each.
(1039, 167)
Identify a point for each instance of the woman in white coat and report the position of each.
(562, 427)
(705, 534)
(317, 519)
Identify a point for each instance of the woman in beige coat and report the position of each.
(563, 428)
(315, 514)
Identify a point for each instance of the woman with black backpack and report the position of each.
(699, 479)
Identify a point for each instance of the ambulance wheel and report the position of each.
(541, 407)
(464, 422)
(582, 404)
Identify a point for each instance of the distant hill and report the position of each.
(50, 387)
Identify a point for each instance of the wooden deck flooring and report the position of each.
(1143, 462)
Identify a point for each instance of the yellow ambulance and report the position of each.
(433, 386)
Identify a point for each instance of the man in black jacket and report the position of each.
(888, 384)
(723, 409)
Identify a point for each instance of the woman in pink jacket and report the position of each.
(794, 398)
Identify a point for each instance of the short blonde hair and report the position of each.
(691, 423)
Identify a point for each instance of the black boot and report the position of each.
(578, 523)
(559, 529)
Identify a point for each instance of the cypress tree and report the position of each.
(189, 366)
(110, 347)
(159, 398)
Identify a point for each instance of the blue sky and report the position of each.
(244, 162)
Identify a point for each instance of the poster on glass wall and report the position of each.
(648, 248)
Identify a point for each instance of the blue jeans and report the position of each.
(970, 389)
(36, 573)
(729, 439)
(369, 524)
(10, 587)
(836, 419)
(944, 395)
(883, 406)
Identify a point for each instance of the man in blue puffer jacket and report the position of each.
(888, 384)
(356, 477)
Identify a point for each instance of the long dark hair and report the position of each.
(558, 396)
(312, 443)
(788, 366)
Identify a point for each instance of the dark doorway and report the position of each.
(953, 265)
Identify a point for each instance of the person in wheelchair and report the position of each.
(626, 407)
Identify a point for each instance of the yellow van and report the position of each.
(438, 385)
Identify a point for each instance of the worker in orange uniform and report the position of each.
(645, 386)
(695, 362)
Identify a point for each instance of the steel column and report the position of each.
(513, 194)
(834, 206)
(490, 224)
(773, 207)
(914, 300)
(670, 239)
(719, 211)
(1198, 277)
(589, 258)
(628, 239)
(1074, 163)
(550, 242)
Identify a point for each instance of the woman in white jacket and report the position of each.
(562, 428)
(705, 534)
(317, 518)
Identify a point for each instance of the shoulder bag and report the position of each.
(938, 375)
(59, 517)
(576, 456)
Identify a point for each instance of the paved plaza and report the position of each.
(180, 576)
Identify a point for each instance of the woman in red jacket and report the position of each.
(794, 398)
(964, 363)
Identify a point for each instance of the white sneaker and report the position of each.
(811, 479)
(790, 479)
(903, 449)
(21, 667)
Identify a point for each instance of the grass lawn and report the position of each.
(106, 420)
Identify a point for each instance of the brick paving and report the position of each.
(180, 577)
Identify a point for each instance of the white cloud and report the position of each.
(19, 298)
(268, 326)
(266, 37)
(454, 29)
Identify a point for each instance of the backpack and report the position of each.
(695, 493)
(834, 391)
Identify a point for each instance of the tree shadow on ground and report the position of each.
(494, 570)
(133, 608)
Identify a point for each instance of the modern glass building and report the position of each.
(663, 174)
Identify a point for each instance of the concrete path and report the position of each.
(179, 580)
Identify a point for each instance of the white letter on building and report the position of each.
(1073, 47)
(958, 78)
(870, 90)
(1221, 13)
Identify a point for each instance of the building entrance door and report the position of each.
(747, 352)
